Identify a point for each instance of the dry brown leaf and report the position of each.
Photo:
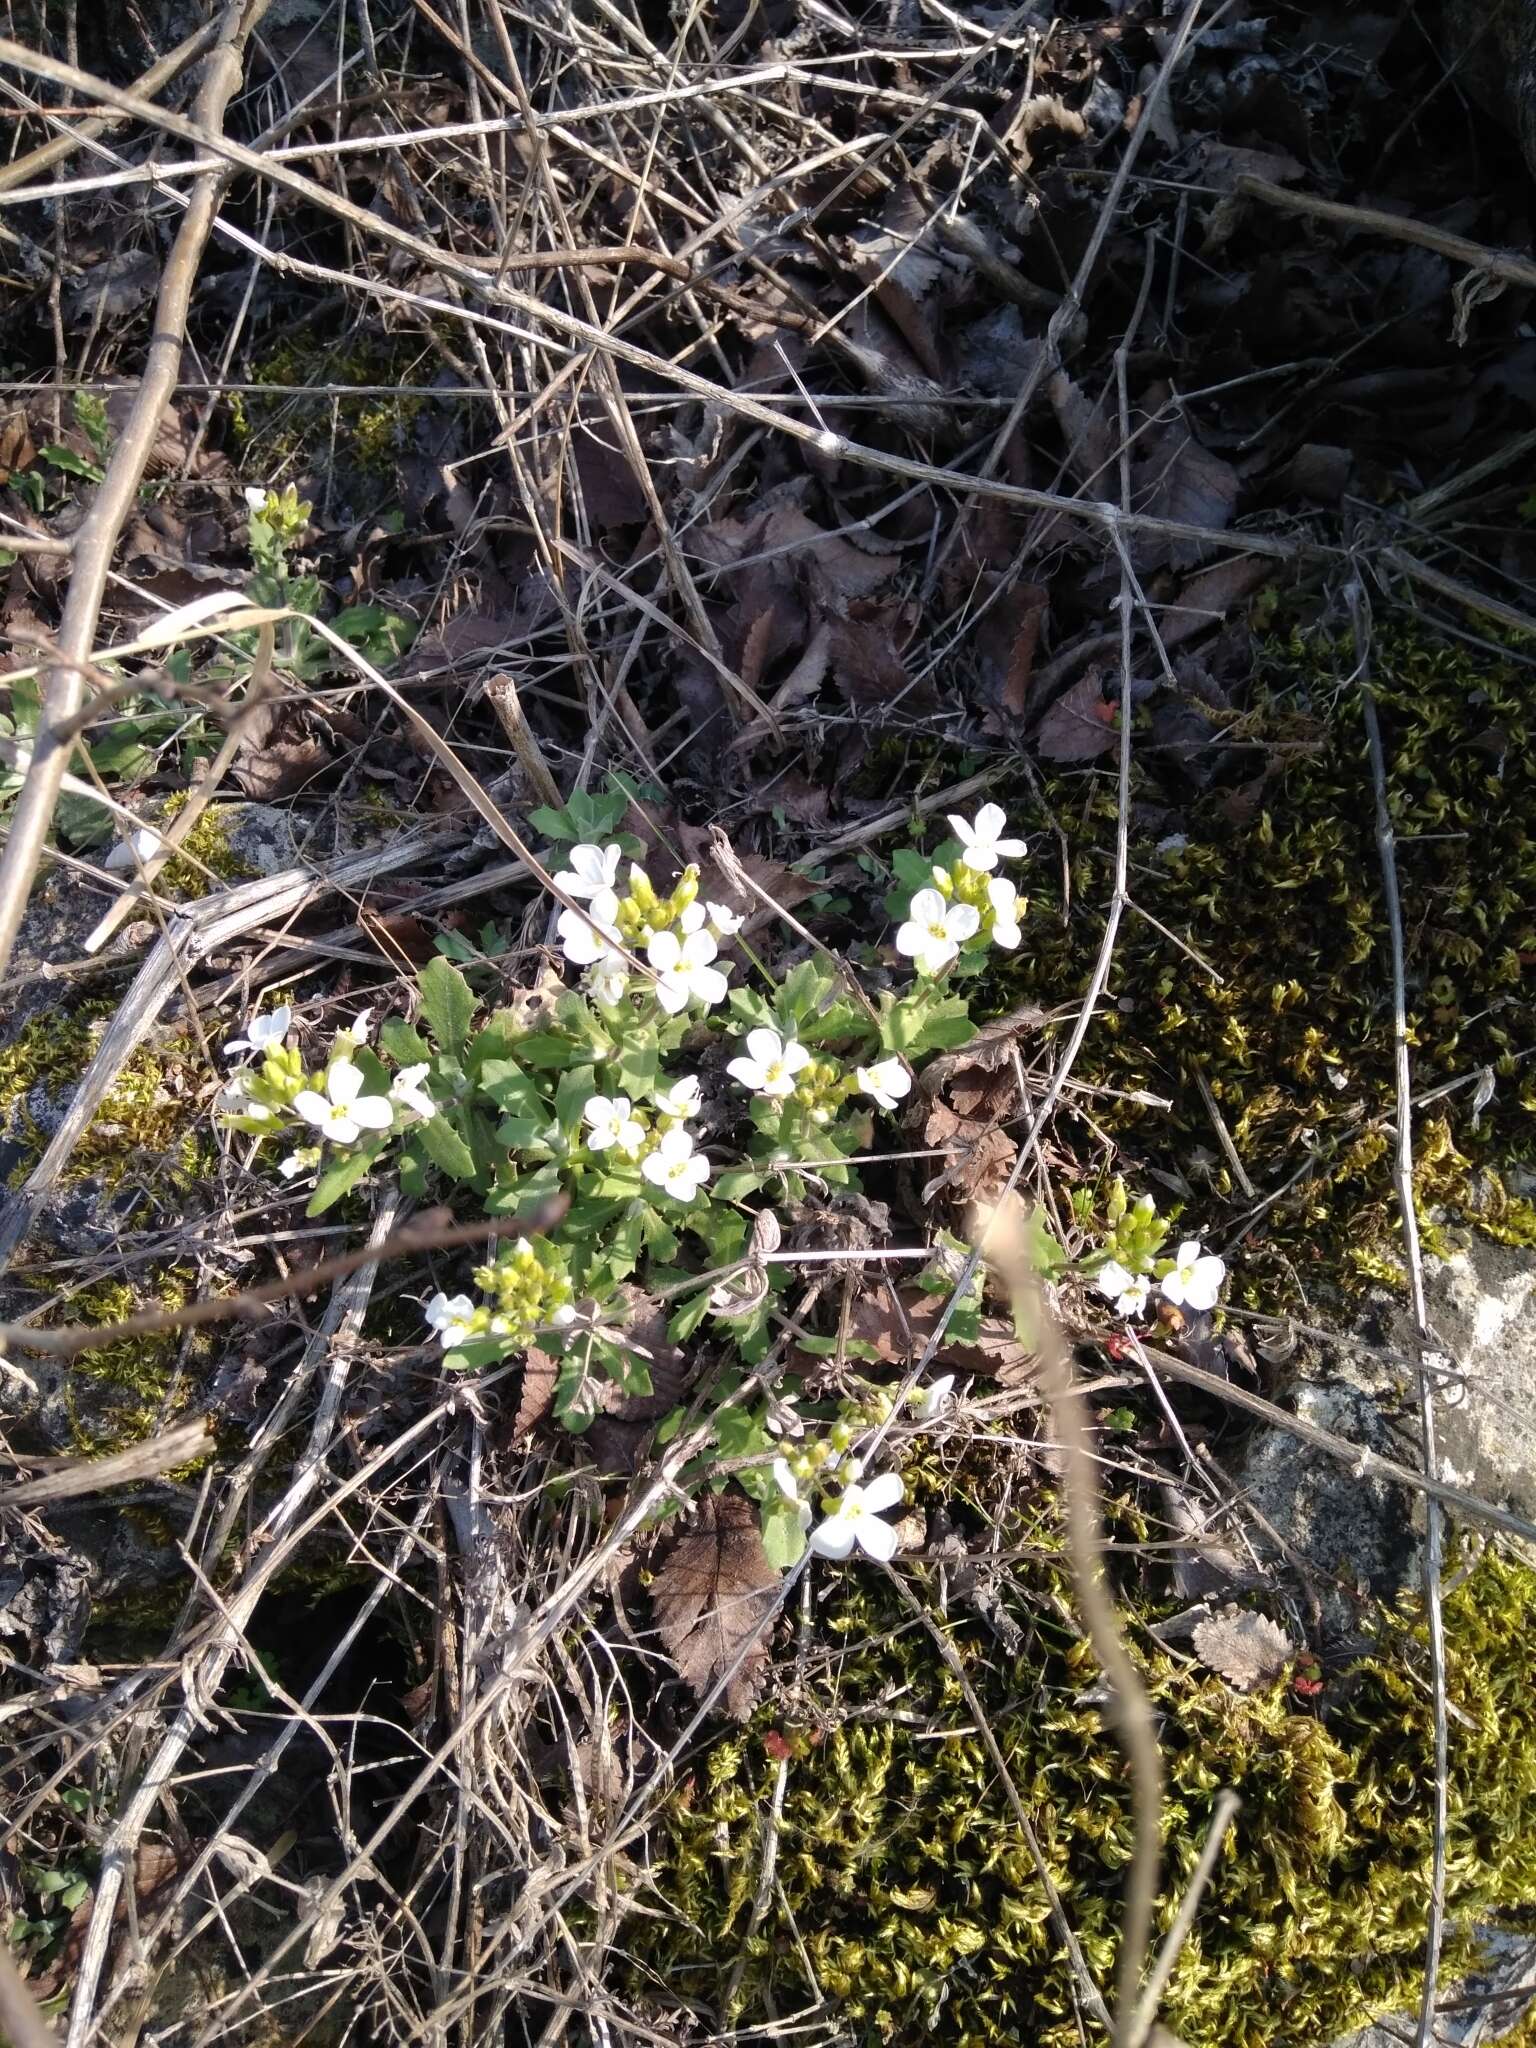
(1177, 478)
(1080, 726)
(786, 887)
(1090, 450)
(536, 1397)
(1207, 597)
(714, 1594)
(1007, 639)
(897, 1338)
(1245, 1649)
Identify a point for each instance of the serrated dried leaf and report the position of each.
(537, 1395)
(713, 1595)
(1081, 725)
(1243, 1648)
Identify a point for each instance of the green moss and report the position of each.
(207, 845)
(1277, 885)
(906, 1897)
(118, 1395)
(371, 431)
(145, 1124)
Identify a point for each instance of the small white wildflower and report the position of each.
(581, 944)
(1127, 1290)
(887, 1081)
(609, 1123)
(344, 1112)
(930, 1402)
(607, 980)
(682, 1098)
(361, 1027)
(1195, 1281)
(592, 872)
(723, 921)
(981, 846)
(263, 1033)
(451, 1316)
(935, 930)
(293, 1164)
(1004, 899)
(684, 974)
(855, 1522)
(770, 1064)
(406, 1089)
(255, 497)
(675, 1167)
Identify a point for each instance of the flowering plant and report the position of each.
(644, 1129)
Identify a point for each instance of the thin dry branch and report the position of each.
(1504, 263)
(1386, 850)
(94, 544)
(1000, 1237)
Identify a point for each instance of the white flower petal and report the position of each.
(883, 1491)
(876, 1538)
(834, 1537)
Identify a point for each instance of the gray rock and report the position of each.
(1509, 1965)
(1354, 1533)
(1480, 1305)
(1359, 1533)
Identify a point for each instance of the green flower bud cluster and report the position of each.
(1136, 1231)
(856, 1416)
(526, 1289)
(821, 1089)
(642, 912)
(260, 1099)
(285, 514)
(993, 898)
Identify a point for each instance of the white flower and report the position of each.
(607, 980)
(592, 872)
(406, 1089)
(722, 919)
(583, 946)
(609, 1122)
(771, 1063)
(887, 1081)
(675, 1167)
(360, 1027)
(1004, 898)
(294, 1163)
(450, 1316)
(343, 1112)
(141, 845)
(981, 848)
(683, 971)
(1127, 1290)
(929, 1402)
(856, 1520)
(681, 1099)
(255, 497)
(262, 1033)
(1195, 1281)
(934, 930)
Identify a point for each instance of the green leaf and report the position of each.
(67, 459)
(546, 1049)
(802, 990)
(382, 635)
(924, 1022)
(687, 1316)
(338, 1179)
(505, 1083)
(571, 1096)
(412, 1168)
(404, 1044)
(737, 1181)
(637, 1065)
(522, 1191)
(783, 1537)
(448, 1004)
(445, 1148)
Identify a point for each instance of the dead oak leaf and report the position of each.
(1080, 726)
(1245, 1649)
(714, 1594)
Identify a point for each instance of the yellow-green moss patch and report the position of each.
(906, 1898)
